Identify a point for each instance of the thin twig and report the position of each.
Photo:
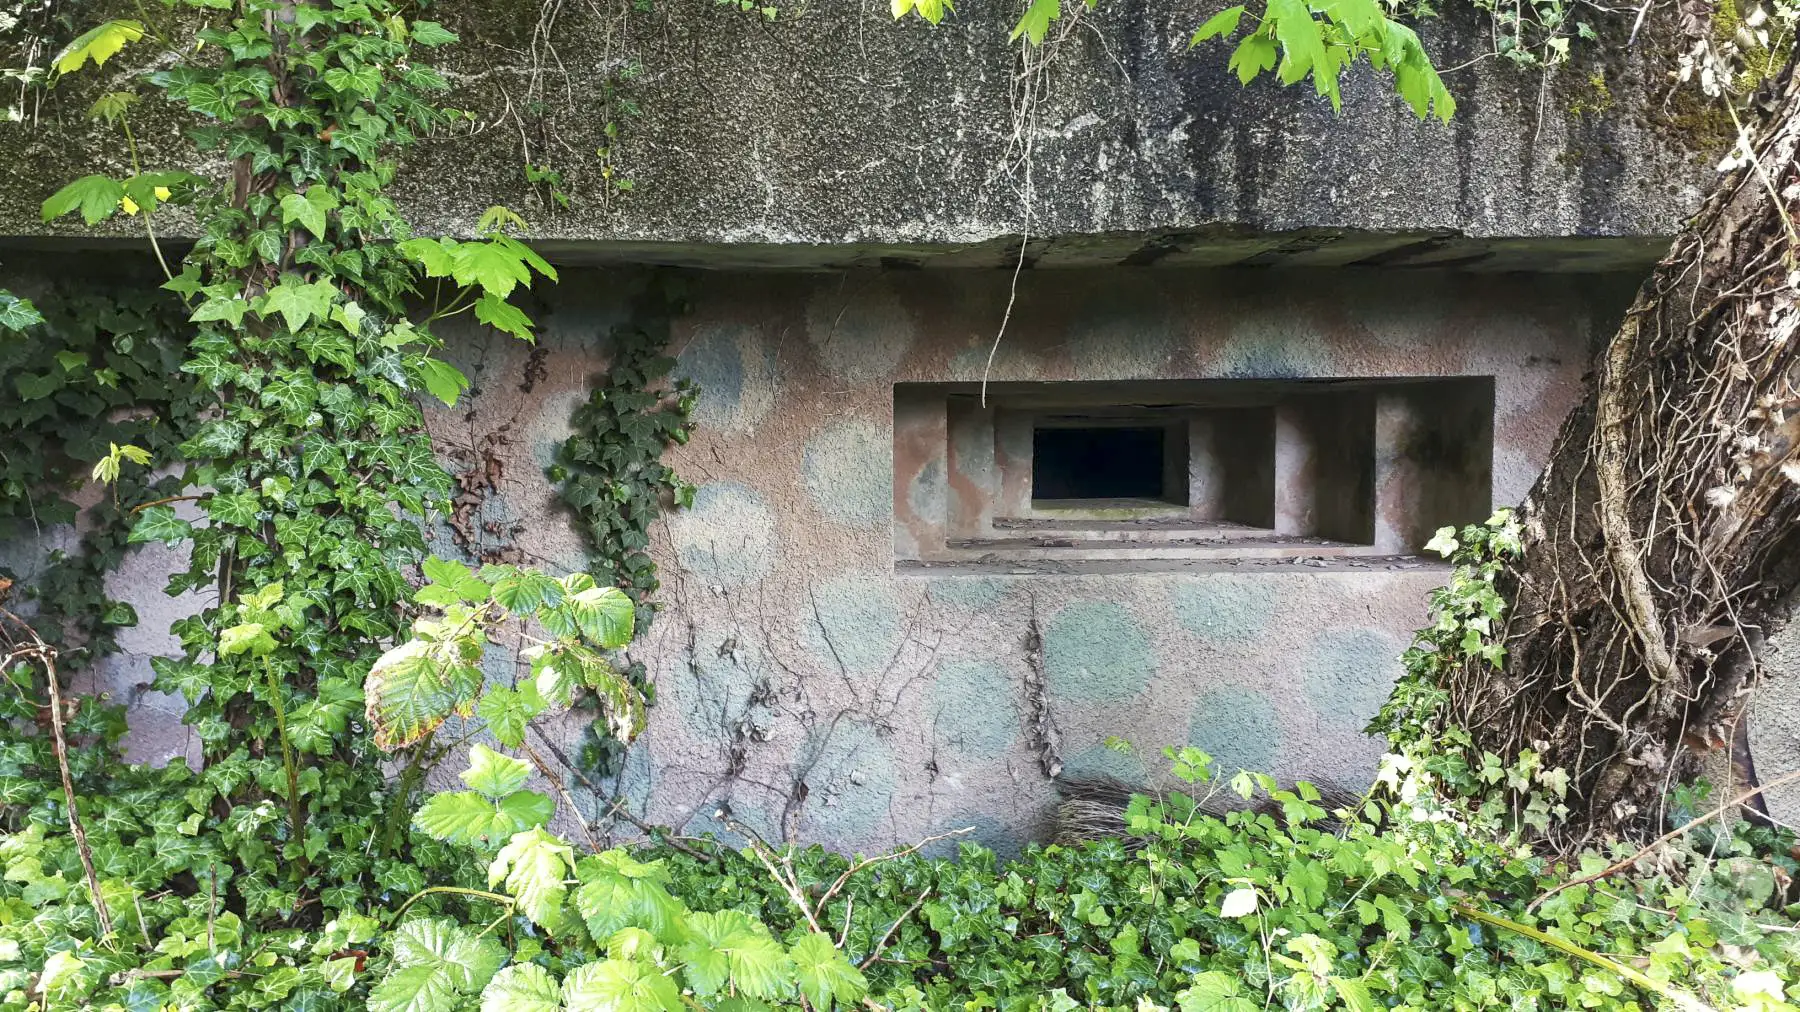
(867, 861)
(46, 655)
(763, 854)
(1619, 866)
(882, 942)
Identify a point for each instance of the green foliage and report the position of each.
(95, 372)
(610, 473)
(416, 686)
(620, 938)
(98, 44)
(17, 314)
(1297, 39)
(1399, 900)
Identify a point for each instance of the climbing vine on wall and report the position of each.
(93, 372)
(610, 471)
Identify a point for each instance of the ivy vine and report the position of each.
(610, 474)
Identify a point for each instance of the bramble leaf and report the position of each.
(533, 866)
(494, 774)
(620, 985)
(522, 987)
(824, 974)
(464, 817)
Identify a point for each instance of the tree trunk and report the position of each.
(1660, 544)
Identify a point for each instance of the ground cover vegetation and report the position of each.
(261, 414)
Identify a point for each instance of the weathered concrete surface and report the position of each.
(835, 135)
(793, 650)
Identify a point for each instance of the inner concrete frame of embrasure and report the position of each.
(1252, 472)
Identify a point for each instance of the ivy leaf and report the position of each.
(98, 44)
(309, 208)
(227, 309)
(494, 774)
(824, 974)
(37, 386)
(298, 302)
(249, 638)
(159, 523)
(533, 866)
(445, 381)
(463, 817)
(620, 985)
(502, 315)
(430, 33)
(522, 987)
(96, 196)
(17, 313)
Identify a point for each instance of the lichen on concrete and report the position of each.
(1095, 651)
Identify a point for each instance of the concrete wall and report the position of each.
(791, 650)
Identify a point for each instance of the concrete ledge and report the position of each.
(838, 136)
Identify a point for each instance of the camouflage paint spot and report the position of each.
(1349, 674)
(852, 622)
(1019, 361)
(1238, 727)
(550, 426)
(928, 492)
(1099, 761)
(713, 690)
(1094, 651)
(977, 708)
(1224, 607)
(849, 474)
(1118, 338)
(1273, 347)
(859, 334)
(735, 371)
(967, 593)
(850, 769)
(728, 537)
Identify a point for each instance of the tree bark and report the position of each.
(1660, 543)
